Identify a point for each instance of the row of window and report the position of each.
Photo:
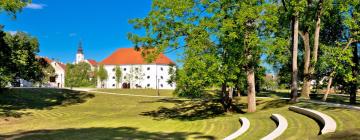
(136, 77)
(148, 85)
(148, 68)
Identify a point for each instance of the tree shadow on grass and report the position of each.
(189, 110)
(270, 93)
(319, 107)
(277, 103)
(14, 101)
(352, 134)
(96, 133)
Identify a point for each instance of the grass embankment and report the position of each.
(73, 115)
(115, 117)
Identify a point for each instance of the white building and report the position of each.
(59, 79)
(80, 57)
(136, 72)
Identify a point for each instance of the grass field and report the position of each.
(66, 114)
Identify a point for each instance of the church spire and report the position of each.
(80, 54)
(80, 49)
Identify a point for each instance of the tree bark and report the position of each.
(327, 89)
(307, 56)
(355, 72)
(294, 74)
(316, 47)
(231, 90)
(251, 93)
(226, 100)
(238, 91)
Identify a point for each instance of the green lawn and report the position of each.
(151, 92)
(66, 114)
(116, 117)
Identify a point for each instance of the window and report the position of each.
(124, 77)
(148, 85)
(148, 77)
(136, 69)
(136, 77)
(113, 77)
(161, 85)
(113, 69)
(161, 77)
(113, 85)
(161, 69)
(124, 69)
(148, 68)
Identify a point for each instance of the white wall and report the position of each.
(160, 72)
(60, 72)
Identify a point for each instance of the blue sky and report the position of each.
(59, 25)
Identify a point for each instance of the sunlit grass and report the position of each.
(108, 116)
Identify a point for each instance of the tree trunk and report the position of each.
(238, 91)
(231, 90)
(355, 72)
(251, 93)
(225, 101)
(294, 74)
(307, 56)
(316, 47)
(327, 89)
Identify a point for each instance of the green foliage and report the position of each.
(18, 58)
(335, 61)
(47, 70)
(101, 74)
(118, 75)
(173, 74)
(78, 75)
(221, 39)
(135, 75)
(13, 6)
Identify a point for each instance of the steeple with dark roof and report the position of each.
(80, 49)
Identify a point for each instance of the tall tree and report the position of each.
(118, 76)
(225, 35)
(351, 11)
(18, 58)
(102, 75)
(78, 75)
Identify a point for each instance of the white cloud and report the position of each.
(12, 32)
(35, 6)
(72, 34)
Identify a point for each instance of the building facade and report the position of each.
(80, 57)
(136, 72)
(59, 79)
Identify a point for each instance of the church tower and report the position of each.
(79, 55)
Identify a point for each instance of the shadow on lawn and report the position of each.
(273, 94)
(189, 110)
(96, 133)
(13, 101)
(353, 134)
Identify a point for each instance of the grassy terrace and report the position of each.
(152, 92)
(66, 114)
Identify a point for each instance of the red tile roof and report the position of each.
(63, 66)
(47, 60)
(129, 56)
(92, 62)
